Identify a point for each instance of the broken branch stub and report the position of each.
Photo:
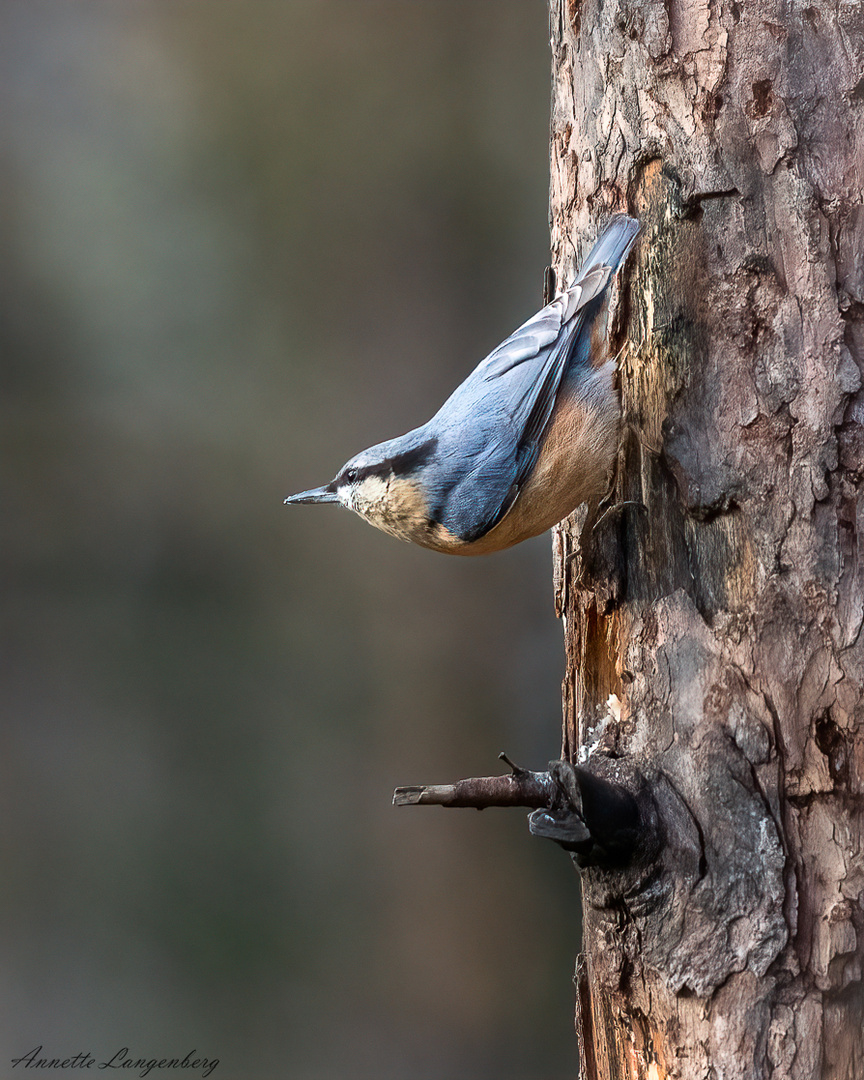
(597, 819)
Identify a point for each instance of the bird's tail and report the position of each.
(612, 245)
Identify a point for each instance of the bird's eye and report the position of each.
(350, 475)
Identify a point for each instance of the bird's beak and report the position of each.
(314, 495)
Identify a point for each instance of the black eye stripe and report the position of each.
(398, 464)
(356, 476)
(411, 460)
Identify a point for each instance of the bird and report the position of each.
(530, 435)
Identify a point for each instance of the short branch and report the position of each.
(524, 788)
(596, 819)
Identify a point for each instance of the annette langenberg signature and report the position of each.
(121, 1060)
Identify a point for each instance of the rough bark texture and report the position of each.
(714, 632)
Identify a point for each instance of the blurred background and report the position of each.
(241, 241)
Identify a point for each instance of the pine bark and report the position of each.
(713, 614)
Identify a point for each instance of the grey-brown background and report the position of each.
(240, 241)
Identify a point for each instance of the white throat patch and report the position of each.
(394, 504)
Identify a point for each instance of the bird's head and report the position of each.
(382, 484)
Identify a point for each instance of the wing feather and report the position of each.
(511, 394)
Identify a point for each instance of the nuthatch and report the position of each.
(529, 436)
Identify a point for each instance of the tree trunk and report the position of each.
(713, 614)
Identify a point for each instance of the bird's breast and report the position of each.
(572, 467)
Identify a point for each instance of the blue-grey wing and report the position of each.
(492, 426)
(493, 432)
